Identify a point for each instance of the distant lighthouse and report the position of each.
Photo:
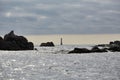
(61, 41)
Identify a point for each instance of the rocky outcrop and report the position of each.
(97, 49)
(112, 47)
(48, 44)
(80, 50)
(15, 42)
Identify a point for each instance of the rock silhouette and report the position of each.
(15, 42)
(48, 44)
(80, 50)
(112, 46)
(85, 50)
(97, 49)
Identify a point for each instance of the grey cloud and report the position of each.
(60, 16)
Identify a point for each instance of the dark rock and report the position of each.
(96, 49)
(36, 49)
(14, 42)
(84, 50)
(114, 48)
(115, 43)
(9, 36)
(80, 50)
(1, 39)
(30, 46)
(48, 44)
(111, 43)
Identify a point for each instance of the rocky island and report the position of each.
(15, 42)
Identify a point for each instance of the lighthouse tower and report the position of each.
(61, 42)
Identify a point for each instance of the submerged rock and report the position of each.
(15, 42)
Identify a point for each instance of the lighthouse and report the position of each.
(61, 42)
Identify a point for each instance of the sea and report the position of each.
(53, 63)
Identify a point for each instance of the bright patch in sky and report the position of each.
(8, 14)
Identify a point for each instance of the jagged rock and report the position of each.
(111, 43)
(14, 42)
(9, 36)
(117, 42)
(96, 49)
(114, 48)
(80, 50)
(84, 50)
(48, 44)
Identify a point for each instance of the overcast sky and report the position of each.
(60, 16)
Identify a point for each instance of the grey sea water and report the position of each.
(52, 63)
